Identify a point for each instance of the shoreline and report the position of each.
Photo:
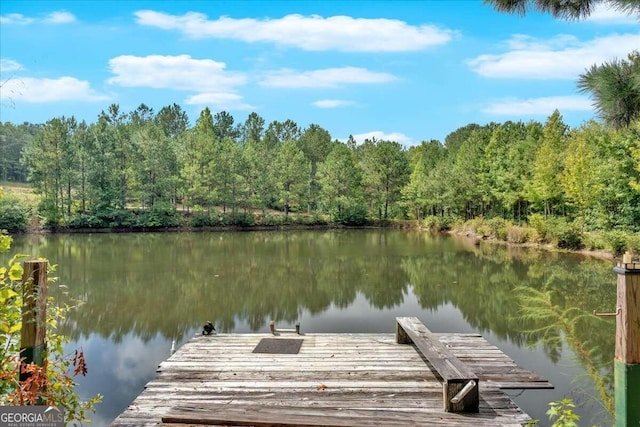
(475, 238)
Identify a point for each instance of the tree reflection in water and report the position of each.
(166, 284)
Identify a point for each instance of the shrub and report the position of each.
(566, 236)
(85, 221)
(497, 227)
(616, 240)
(53, 383)
(351, 215)
(570, 238)
(476, 225)
(633, 243)
(540, 225)
(516, 234)
(317, 219)
(438, 223)
(270, 220)
(594, 242)
(13, 215)
(159, 216)
(301, 220)
(201, 218)
(49, 212)
(242, 219)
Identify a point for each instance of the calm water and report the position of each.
(142, 291)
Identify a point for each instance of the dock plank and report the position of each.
(336, 379)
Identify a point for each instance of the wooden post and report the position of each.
(627, 361)
(34, 314)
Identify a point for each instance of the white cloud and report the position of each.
(8, 65)
(332, 103)
(173, 72)
(605, 14)
(314, 33)
(212, 83)
(382, 136)
(33, 90)
(219, 100)
(328, 77)
(561, 57)
(16, 18)
(58, 17)
(537, 106)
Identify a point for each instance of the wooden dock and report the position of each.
(333, 380)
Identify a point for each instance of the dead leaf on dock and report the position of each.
(321, 387)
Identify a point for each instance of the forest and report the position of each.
(147, 169)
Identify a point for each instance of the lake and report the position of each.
(144, 291)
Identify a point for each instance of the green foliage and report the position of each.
(438, 223)
(498, 227)
(48, 211)
(14, 139)
(241, 219)
(87, 221)
(5, 241)
(53, 383)
(292, 175)
(517, 234)
(13, 215)
(340, 180)
(351, 215)
(201, 218)
(385, 172)
(633, 243)
(541, 227)
(495, 228)
(136, 170)
(556, 230)
(566, 235)
(566, 10)
(555, 319)
(580, 175)
(271, 220)
(614, 87)
(545, 189)
(616, 241)
(562, 415)
(159, 216)
(594, 241)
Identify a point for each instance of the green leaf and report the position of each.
(7, 293)
(15, 328)
(15, 272)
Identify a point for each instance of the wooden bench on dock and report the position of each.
(460, 386)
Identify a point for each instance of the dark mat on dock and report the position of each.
(278, 346)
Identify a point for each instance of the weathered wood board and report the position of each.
(335, 380)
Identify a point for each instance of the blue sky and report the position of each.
(403, 70)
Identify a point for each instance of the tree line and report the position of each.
(147, 163)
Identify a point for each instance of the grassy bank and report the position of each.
(18, 213)
(551, 232)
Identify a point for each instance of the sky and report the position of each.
(407, 71)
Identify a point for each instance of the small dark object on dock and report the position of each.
(208, 328)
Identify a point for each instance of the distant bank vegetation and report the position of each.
(520, 182)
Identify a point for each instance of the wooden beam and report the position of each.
(34, 314)
(456, 375)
